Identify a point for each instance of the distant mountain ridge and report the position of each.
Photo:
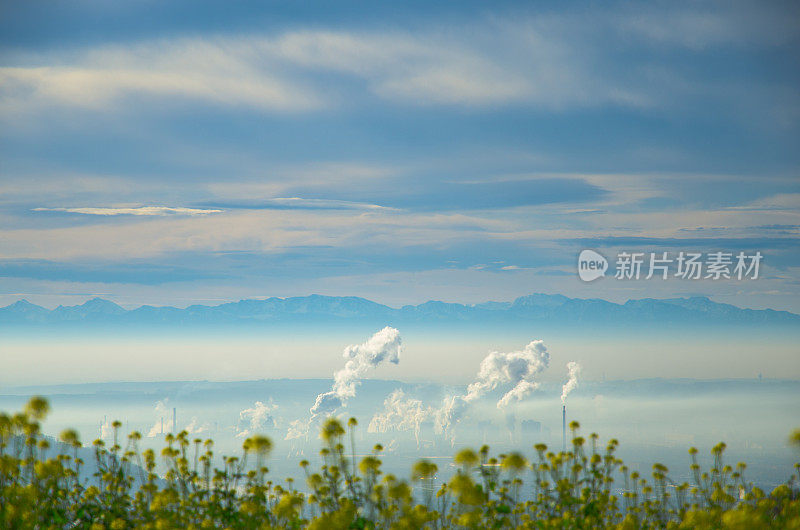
(318, 308)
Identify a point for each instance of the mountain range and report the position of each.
(539, 308)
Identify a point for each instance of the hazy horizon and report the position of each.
(652, 419)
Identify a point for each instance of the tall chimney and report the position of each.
(174, 420)
(162, 424)
(564, 428)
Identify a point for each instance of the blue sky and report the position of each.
(183, 152)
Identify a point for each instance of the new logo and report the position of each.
(591, 265)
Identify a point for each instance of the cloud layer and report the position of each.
(401, 157)
(138, 210)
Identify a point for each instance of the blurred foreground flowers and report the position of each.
(587, 487)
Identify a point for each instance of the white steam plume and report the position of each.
(451, 411)
(195, 428)
(518, 369)
(162, 414)
(106, 430)
(257, 418)
(400, 413)
(298, 429)
(574, 370)
(385, 345)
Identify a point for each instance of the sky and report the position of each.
(196, 152)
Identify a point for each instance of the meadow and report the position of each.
(588, 486)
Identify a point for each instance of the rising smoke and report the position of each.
(195, 427)
(383, 346)
(518, 369)
(401, 414)
(258, 418)
(574, 370)
(162, 414)
(106, 430)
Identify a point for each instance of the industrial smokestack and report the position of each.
(174, 420)
(162, 424)
(564, 428)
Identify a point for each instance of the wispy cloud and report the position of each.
(554, 61)
(789, 202)
(416, 68)
(228, 72)
(299, 203)
(490, 64)
(365, 157)
(702, 25)
(138, 210)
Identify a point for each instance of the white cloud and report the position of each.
(220, 71)
(243, 229)
(277, 231)
(493, 63)
(418, 68)
(137, 210)
(789, 202)
(322, 204)
(551, 60)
